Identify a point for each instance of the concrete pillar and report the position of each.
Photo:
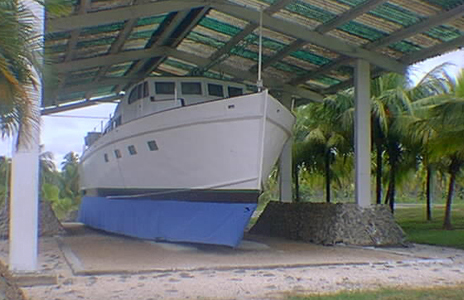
(362, 134)
(25, 181)
(285, 172)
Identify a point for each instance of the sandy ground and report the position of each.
(98, 266)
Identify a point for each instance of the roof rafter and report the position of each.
(434, 50)
(194, 59)
(400, 35)
(107, 60)
(81, 104)
(181, 36)
(71, 49)
(324, 28)
(349, 15)
(217, 56)
(316, 38)
(395, 37)
(244, 75)
(120, 14)
(418, 27)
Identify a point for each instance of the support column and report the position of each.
(362, 134)
(285, 160)
(285, 172)
(24, 201)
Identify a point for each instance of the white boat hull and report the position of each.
(229, 144)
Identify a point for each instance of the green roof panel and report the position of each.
(310, 11)
(219, 26)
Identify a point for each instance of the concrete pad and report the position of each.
(95, 253)
(262, 268)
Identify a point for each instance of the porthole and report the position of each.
(152, 145)
(132, 150)
(105, 156)
(117, 153)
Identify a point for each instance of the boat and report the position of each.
(183, 159)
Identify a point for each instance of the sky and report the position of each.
(64, 132)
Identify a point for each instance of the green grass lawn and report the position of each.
(418, 230)
(448, 293)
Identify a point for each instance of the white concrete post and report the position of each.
(285, 172)
(362, 134)
(25, 182)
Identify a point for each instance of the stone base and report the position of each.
(330, 224)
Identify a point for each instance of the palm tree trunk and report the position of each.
(297, 183)
(327, 177)
(378, 176)
(449, 199)
(429, 193)
(392, 188)
(387, 196)
(453, 171)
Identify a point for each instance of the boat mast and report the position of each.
(259, 84)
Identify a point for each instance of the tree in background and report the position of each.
(446, 117)
(70, 177)
(20, 67)
(18, 44)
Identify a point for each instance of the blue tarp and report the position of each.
(175, 221)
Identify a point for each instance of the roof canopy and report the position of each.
(309, 46)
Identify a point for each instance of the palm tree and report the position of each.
(18, 42)
(20, 48)
(320, 139)
(70, 177)
(442, 125)
(391, 99)
(447, 118)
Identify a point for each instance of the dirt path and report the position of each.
(423, 266)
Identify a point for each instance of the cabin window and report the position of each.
(145, 89)
(117, 153)
(152, 145)
(234, 92)
(191, 88)
(139, 91)
(117, 121)
(215, 90)
(164, 88)
(132, 150)
(133, 95)
(105, 156)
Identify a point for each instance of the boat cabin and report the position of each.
(157, 94)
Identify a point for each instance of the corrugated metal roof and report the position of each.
(308, 45)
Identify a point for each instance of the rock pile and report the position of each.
(9, 290)
(330, 224)
(49, 224)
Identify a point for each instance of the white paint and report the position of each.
(215, 144)
(285, 172)
(24, 210)
(362, 134)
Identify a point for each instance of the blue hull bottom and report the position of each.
(168, 220)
